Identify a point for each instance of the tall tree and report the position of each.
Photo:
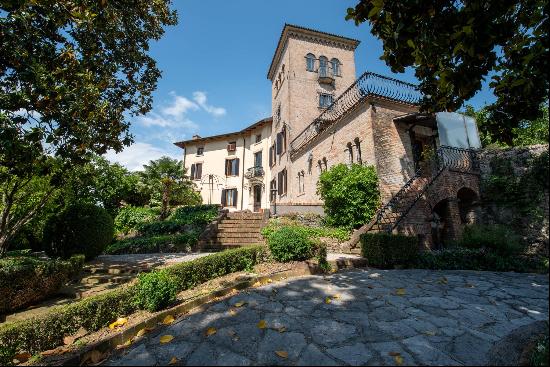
(72, 72)
(454, 45)
(165, 181)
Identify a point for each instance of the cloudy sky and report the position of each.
(214, 65)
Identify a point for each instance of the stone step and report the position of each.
(106, 279)
(239, 234)
(236, 229)
(237, 240)
(239, 226)
(113, 270)
(243, 221)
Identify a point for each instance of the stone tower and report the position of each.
(308, 71)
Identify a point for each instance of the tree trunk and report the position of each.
(165, 198)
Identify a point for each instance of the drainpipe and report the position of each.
(184, 154)
(242, 173)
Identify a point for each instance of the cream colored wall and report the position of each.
(213, 160)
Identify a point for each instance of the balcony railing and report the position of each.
(325, 75)
(368, 84)
(256, 171)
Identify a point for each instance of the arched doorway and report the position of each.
(468, 204)
(440, 223)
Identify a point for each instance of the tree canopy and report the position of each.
(454, 45)
(72, 74)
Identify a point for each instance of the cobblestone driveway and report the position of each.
(373, 317)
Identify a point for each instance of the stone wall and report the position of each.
(533, 228)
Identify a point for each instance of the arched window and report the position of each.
(323, 65)
(335, 64)
(350, 153)
(358, 150)
(310, 62)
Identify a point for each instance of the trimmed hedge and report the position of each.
(47, 331)
(386, 250)
(290, 243)
(144, 245)
(79, 229)
(478, 259)
(25, 280)
(156, 290)
(501, 239)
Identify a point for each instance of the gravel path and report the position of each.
(409, 317)
(152, 259)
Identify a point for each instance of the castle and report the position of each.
(322, 115)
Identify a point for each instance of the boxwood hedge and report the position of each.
(386, 250)
(47, 331)
(143, 245)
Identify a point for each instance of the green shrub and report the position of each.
(25, 280)
(130, 217)
(539, 354)
(155, 290)
(498, 238)
(79, 229)
(197, 214)
(350, 195)
(160, 227)
(458, 258)
(142, 245)
(290, 243)
(339, 233)
(386, 250)
(47, 331)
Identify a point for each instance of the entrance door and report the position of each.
(257, 198)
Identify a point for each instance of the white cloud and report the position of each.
(138, 154)
(154, 119)
(200, 98)
(179, 107)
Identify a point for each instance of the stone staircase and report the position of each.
(236, 229)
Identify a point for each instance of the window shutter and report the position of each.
(223, 197)
(199, 170)
(237, 167)
(193, 171)
(279, 143)
(270, 156)
(280, 183)
(235, 197)
(227, 167)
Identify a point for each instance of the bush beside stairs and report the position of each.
(235, 229)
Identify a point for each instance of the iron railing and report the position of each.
(368, 84)
(454, 159)
(256, 171)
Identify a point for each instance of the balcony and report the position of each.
(252, 172)
(325, 75)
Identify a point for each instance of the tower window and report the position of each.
(310, 62)
(325, 100)
(350, 153)
(358, 151)
(335, 64)
(323, 66)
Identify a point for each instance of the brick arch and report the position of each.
(449, 184)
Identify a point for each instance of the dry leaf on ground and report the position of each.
(328, 300)
(398, 360)
(121, 321)
(211, 331)
(240, 304)
(166, 339)
(400, 291)
(262, 324)
(282, 353)
(168, 320)
(174, 360)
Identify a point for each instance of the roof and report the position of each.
(288, 28)
(182, 144)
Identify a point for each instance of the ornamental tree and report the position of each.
(454, 45)
(72, 73)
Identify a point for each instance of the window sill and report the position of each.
(302, 194)
(232, 175)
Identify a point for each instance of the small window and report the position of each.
(358, 151)
(200, 150)
(301, 185)
(325, 100)
(232, 146)
(258, 138)
(310, 62)
(325, 165)
(335, 65)
(281, 178)
(278, 114)
(323, 66)
(273, 190)
(229, 197)
(281, 141)
(350, 153)
(272, 156)
(196, 171)
(232, 167)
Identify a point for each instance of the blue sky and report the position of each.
(214, 65)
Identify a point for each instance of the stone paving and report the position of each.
(373, 317)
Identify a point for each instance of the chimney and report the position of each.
(196, 136)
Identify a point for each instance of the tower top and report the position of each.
(294, 31)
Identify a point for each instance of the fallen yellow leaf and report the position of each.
(211, 331)
(328, 300)
(232, 311)
(282, 329)
(118, 323)
(166, 339)
(174, 360)
(257, 284)
(262, 324)
(125, 344)
(400, 291)
(269, 280)
(336, 296)
(398, 360)
(240, 304)
(281, 353)
(141, 332)
(168, 320)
